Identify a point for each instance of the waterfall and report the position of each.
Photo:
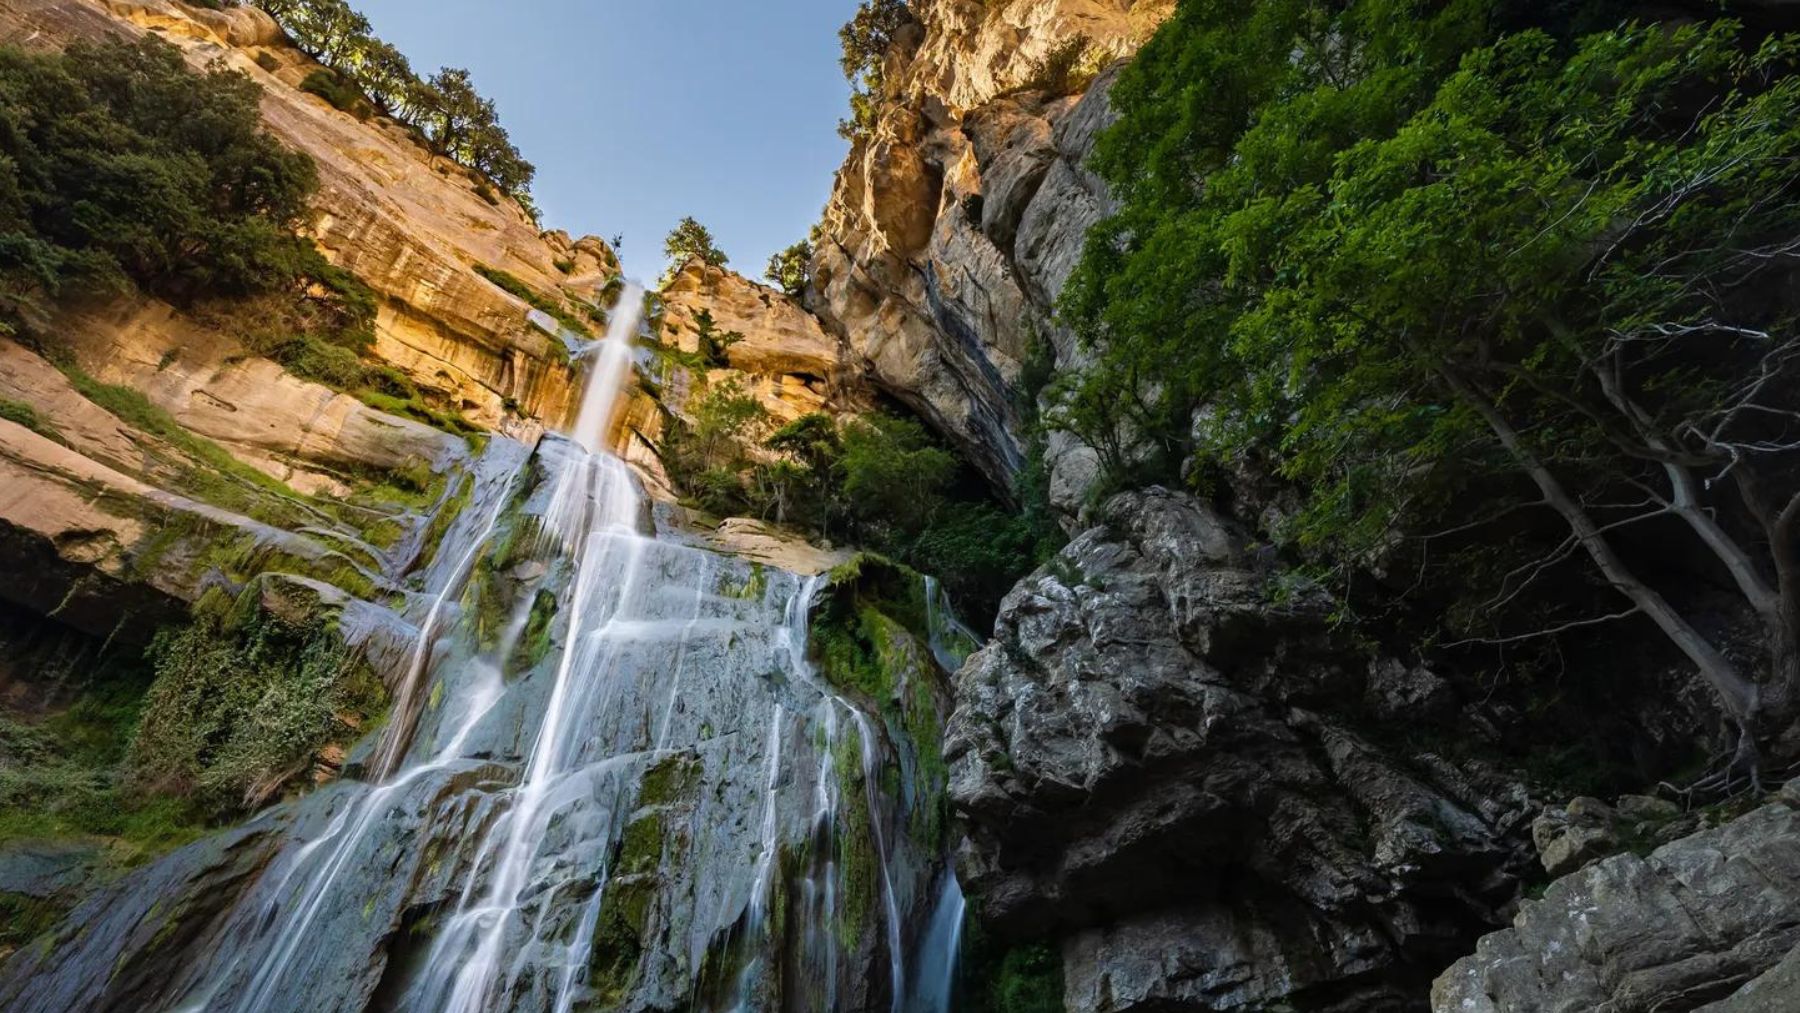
(611, 772)
(933, 989)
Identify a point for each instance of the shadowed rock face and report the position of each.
(1710, 922)
(1151, 771)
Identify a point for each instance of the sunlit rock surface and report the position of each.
(411, 225)
(956, 221)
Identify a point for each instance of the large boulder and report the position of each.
(1709, 922)
(1151, 771)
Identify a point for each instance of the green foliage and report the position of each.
(243, 702)
(340, 91)
(1019, 979)
(1373, 238)
(881, 481)
(690, 239)
(120, 166)
(25, 415)
(790, 269)
(869, 33)
(368, 74)
(708, 451)
(715, 345)
(59, 777)
(511, 284)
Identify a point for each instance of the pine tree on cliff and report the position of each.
(689, 240)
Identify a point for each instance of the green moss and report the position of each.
(535, 644)
(211, 474)
(512, 285)
(25, 415)
(641, 847)
(23, 919)
(446, 515)
(671, 780)
(857, 861)
(619, 938)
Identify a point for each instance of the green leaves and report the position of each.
(1328, 208)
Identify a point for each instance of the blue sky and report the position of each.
(637, 112)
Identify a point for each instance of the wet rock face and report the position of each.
(1710, 922)
(1151, 771)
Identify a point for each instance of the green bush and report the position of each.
(120, 166)
(244, 700)
(339, 91)
(29, 417)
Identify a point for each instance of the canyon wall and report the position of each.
(961, 211)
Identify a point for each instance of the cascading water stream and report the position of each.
(483, 867)
(933, 988)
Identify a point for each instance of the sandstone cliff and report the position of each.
(413, 226)
(959, 215)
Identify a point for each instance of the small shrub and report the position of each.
(25, 415)
(243, 702)
(342, 94)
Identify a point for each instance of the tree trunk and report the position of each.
(1737, 695)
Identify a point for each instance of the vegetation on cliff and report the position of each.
(120, 167)
(690, 239)
(1438, 269)
(880, 481)
(366, 74)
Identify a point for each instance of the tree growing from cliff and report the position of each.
(454, 119)
(121, 167)
(866, 39)
(869, 33)
(790, 269)
(690, 239)
(1543, 277)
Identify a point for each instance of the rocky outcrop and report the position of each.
(1155, 768)
(411, 225)
(774, 350)
(961, 212)
(784, 357)
(1709, 922)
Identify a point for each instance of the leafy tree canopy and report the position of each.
(1407, 258)
(690, 239)
(120, 166)
(790, 268)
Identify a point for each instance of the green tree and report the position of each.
(869, 33)
(690, 239)
(1419, 263)
(452, 117)
(715, 345)
(120, 166)
(790, 269)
